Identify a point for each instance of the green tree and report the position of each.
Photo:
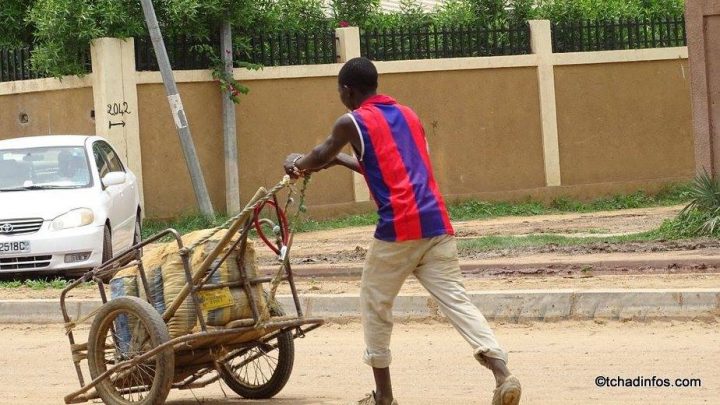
(14, 30)
(64, 28)
(567, 10)
(355, 12)
(294, 15)
(489, 11)
(454, 12)
(412, 14)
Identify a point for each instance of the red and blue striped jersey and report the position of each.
(396, 165)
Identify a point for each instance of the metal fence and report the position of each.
(184, 54)
(260, 48)
(15, 64)
(624, 33)
(287, 48)
(432, 42)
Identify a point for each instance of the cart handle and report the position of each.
(282, 223)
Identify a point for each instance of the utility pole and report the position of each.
(232, 183)
(179, 117)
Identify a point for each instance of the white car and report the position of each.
(66, 204)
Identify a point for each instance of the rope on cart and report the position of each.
(277, 279)
(69, 326)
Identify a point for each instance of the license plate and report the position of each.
(7, 248)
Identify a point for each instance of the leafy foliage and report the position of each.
(14, 29)
(355, 12)
(36, 284)
(493, 12)
(702, 215)
(568, 10)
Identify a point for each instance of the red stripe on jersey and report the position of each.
(418, 133)
(402, 199)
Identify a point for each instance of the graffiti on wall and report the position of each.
(117, 112)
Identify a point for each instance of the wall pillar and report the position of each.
(348, 47)
(116, 101)
(541, 43)
(702, 20)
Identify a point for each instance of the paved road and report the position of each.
(557, 363)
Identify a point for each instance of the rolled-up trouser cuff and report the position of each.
(377, 359)
(482, 353)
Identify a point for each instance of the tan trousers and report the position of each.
(435, 264)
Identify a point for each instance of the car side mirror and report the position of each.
(114, 179)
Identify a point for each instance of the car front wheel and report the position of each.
(137, 235)
(107, 252)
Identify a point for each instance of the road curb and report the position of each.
(508, 306)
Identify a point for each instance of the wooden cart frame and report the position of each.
(197, 359)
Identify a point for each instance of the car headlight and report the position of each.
(73, 219)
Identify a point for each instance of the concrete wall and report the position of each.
(703, 33)
(622, 126)
(303, 111)
(51, 112)
(483, 126)
(624, 122)
(168, 190)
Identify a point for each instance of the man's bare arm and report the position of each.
(351, 162)
(327, 153)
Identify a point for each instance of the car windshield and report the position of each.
(44, 168)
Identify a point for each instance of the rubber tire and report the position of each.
(107, 252)
(137, 233)
(286, 359)
(158, 332)
(137, 238)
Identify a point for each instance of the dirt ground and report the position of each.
(349, 245)
(556, 362)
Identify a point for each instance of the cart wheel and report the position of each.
(261, 371)
(123, 329)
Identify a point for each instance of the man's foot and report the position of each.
(508, 393)
(371, 400)
(497, 366)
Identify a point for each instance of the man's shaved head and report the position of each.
(359, 74)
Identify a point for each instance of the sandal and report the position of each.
(370, 400)
(508, 393)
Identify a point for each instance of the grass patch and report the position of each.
(468, 210)
(682, 227)
(11, 284)
(184, 224)
(308, 225)
(36, 284)
(489, 243)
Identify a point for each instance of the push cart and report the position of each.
(129, 353)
